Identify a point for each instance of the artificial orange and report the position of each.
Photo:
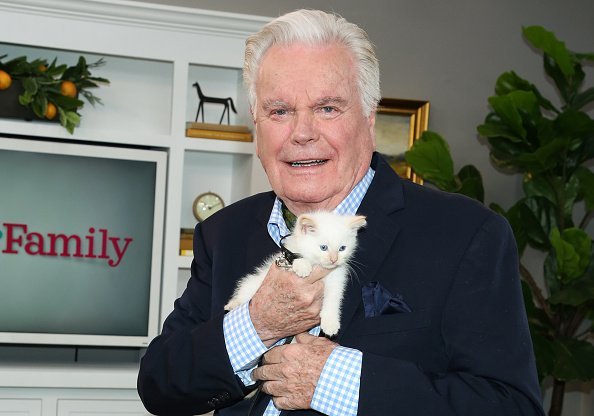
(5, 80)
(68, 89)
(50, 111)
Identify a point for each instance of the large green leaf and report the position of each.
(562, 82)
(545, 354)
(551, 275)
(538, 217)
(545, 158)
(510, 81)
(583, 98)
(560, 192)
(538, 185)
(512, 106)
(570, 193)
(576, 294)
(471, 183)
(430, 158)
(586, 186)
(496, 129)
(572, 252)
(574, 360)
(574, 86)
(546, 41)
(575, 124)
(514, 218)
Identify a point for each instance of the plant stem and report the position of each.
(574, 323)
(537, 292)
(557, 398)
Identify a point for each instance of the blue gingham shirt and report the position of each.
(337, 392)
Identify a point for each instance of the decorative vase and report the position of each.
(11, 108)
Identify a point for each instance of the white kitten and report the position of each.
(319, 238)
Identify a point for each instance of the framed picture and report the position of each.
(398, 123)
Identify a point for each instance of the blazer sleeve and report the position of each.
(491, 368)
(186, 369)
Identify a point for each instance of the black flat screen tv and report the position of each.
(81, 230)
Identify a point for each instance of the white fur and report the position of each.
(313, 232)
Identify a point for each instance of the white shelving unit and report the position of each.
(153, 55)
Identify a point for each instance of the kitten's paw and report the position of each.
(301, 267)
(330, 326)
(232, 304)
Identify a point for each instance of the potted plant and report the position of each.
(553, 148)
(46, 90)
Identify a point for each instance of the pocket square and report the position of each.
(378, 300)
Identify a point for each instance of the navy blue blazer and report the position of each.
(464, 349)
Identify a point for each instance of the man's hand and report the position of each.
(286, 304)
(290, 372)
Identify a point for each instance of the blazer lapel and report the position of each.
(383, 198)
(259, 245)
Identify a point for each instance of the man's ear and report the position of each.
(371, 121)
(255, 121)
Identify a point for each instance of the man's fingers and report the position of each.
(305, 338)
(274, 356)
(273, 388)
(267, 372)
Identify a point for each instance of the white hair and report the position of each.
(315, 27)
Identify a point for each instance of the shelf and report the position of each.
(184, 262)
(219, 146)
(53, 130)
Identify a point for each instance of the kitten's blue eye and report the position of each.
(342, 248)
(324, 247)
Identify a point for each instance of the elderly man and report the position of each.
(453, 339)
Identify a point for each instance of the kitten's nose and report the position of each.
(334, 257)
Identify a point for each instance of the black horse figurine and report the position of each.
(214, 100)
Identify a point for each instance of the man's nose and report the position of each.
(304, 129)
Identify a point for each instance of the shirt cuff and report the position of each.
(337, 392)
(244, 346)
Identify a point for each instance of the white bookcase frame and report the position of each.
(153, 55)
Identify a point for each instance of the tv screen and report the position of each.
(81, 231)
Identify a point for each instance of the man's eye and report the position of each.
(328, 111)
(279, 112)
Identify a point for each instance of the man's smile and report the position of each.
(308, 163)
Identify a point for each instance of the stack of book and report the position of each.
(218, 131)
(186, 247)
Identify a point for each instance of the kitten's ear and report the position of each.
(357, 222)
(305, 224)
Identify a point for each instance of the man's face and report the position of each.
(313, 139)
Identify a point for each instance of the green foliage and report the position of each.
(431, 159)
(41, 83)
(553, 148)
